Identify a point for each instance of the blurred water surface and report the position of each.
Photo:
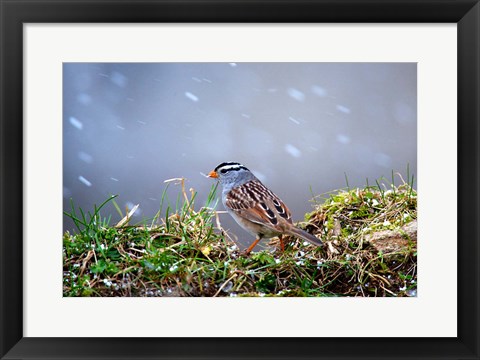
(300, 127)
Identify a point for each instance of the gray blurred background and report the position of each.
(300, 127)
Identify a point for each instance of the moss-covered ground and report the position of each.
(185, 252)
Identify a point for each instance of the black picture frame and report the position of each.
(14, 13)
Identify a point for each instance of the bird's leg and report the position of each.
(250, 248)
(282, 244)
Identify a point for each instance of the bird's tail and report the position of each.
(294, 231)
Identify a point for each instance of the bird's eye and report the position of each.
(223, 171)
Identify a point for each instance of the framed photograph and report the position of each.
(156, 145)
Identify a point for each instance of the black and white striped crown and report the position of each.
(225, 167)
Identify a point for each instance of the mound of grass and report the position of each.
(187, 253)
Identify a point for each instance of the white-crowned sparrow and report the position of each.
(254, 207)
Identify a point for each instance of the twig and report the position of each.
(225, 283)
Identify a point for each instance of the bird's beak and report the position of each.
(213, 174)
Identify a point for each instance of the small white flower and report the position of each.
(277, 261)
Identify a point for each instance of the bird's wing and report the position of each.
(254, 202)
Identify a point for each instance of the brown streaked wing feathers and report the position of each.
(256, 203)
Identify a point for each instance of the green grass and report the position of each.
(185, 252)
